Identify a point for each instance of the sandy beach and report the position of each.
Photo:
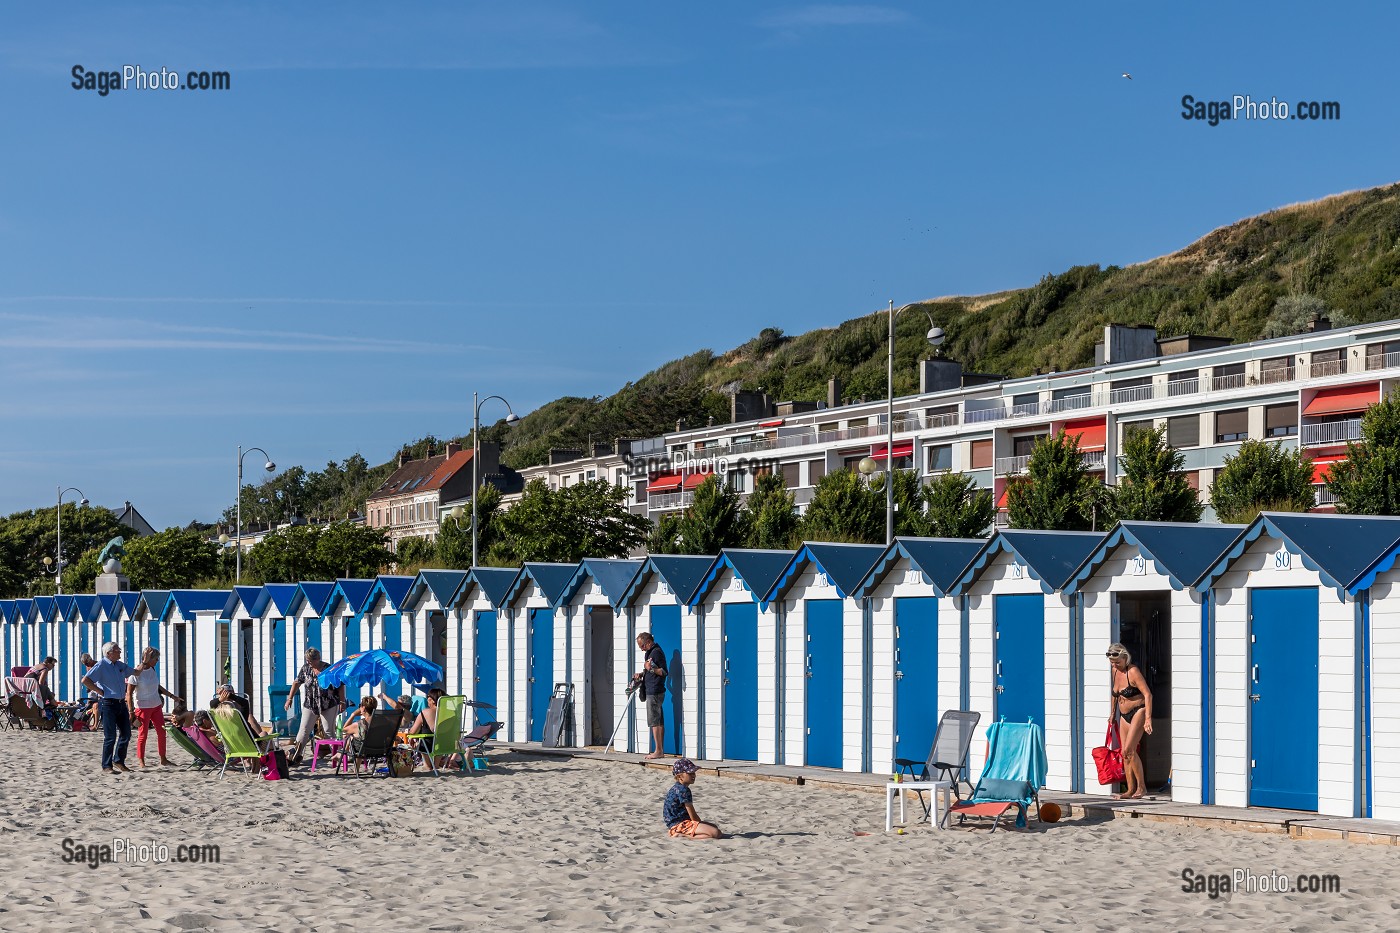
(577, 844)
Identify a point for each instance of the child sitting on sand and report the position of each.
(679, 812)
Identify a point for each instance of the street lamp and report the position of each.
(269, 466)
(49, 564)
(511, 421)
(935, 338)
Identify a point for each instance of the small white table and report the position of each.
(941, 791)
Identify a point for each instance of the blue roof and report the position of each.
(127, 600)
(758, 570)
(108, 603)
(277, 597)
(43, 608)
(392, 588)
(315, 595)
(551, 579)
(352, 592)
(247, 596)
(1343, 549)
(495, 582)
(7, 606)
(188, 602)
(844, 564)
(1050, 556)
(612, 575)
(87, 607)
(1182, 551)
(940, 560)
(681, 572)
(64, 606)
(23, 609)
(443, 584)
(155, 601)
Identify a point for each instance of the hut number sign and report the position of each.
(1137, 567)
(1282, 559)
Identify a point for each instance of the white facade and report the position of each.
(1384, 725)
(728, 588)
(633, 619)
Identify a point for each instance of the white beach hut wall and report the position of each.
(539, 652)
(479, 649)
(585, 612)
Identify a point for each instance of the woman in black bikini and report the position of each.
(1132, 704)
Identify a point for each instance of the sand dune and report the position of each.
(579, 844)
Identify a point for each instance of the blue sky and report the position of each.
(393, 207)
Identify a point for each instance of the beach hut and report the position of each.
(272, 624)
(7, 635)
(917, 665)
(108, 606)
(42, 616)
(1290, 675)
(193, 644)
(66, 623)
(1377, 593)
(310, 627)
(245, 655)
(1138, 588)
(1022, 658)
(478, 647)
(114, 627)
(587, 643)
(823, 682)
(427, 606)
(142, 629)
(382, 620)
(534, 647)
(657, 600)
(87, 616)
(24, 633)
(738, 632)
(342, 615)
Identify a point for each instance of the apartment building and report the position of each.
(1307, 390)
(414, 499)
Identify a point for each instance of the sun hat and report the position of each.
(683, 766)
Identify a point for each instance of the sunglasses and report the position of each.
(1112, 654)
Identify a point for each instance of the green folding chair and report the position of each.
(444, 738)
(238, 740)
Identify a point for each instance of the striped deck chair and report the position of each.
(1012, 777)
(201, 758)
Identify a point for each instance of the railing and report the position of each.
(1334, 432)
(1325, 496)
(1222, 383)
(661, 502)
(1130, 394)
(1383, 360)
(1177, 387)
(1275, 375)
(1071, 402)
(1002, 519)
(1328, 368)
(1092, 459)
(1007, 466)
(946, 420)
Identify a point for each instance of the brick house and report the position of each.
(411, 501)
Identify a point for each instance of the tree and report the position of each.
(288, 555)
(714, 520)
(26, 538)
(81, 575)
(1153, 487)
(845, 508)
(414, 552)
(1058, 493)
(1367, 482)
(772, 514)
(665, 537)
(1293, 313)
(588, 519)
(1262, 477)
(348, 549)
(169, 560)
(957, 508)
(910, 506)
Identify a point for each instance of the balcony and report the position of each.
(1092, 459)
(1071, 402)
(1382, 360)
(1011, 466)
(1327, 368)
(1275, 375)
(1177, 387)
(1130, 394)
(1333, 432)
(1225, 383)
(1325, 496)
(667, 501)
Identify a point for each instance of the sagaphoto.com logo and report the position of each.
(134, 77)
(1245, 108)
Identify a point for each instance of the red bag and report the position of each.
(1108, 757)
(274, 765)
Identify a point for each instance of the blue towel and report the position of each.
(1015, 768)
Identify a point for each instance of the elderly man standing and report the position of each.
(653, 680)
(107, 681)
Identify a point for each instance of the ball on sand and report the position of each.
(1050, 813)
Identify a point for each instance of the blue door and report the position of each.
(65, 662)
(740, 622)
(541, 668)
(106, 633)
(352, 635)
(313, 634)
(483, 686)
(129, 652)
(915, 676)
(153, 633)
(824, 696)
(279, 653)
(43, 641)
(393, 641)
(666, 629)
(1283, 695)
(1020, 658)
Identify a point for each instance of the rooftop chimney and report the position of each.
(453, 448)
(833, 392)
(403, 456)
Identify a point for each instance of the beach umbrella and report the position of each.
(378, 666)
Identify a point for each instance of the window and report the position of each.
(1187, 382)
(1383, 355)
(639, 491)
(1071, 398)
(1277, 369)
(940, 458)
(1184, 431)
(590, 475)
(1328, 363)
(852, 463)
(1280, 420)
(1022, 446)
(1026, 403)
(857, 423)
(1228, 377)
(735, 478)
(982, 455)
(816, 470)
(792, 475)
(619, 477)
(1130, 390)
(1130, 426)
(1231, 425)
(942, 416)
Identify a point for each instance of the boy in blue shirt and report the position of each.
(679, 812)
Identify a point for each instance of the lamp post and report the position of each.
(511, 421)
(61, 563)
(868, 465)
(269, 466)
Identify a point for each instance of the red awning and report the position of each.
(776, 422)
(1091, 433)
(1322, 464)
(695, 479)
(901, 449)
(1344, 399)
(664, 482)
(1005, 495)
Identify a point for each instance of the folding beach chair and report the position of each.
(442, 741)
(473, 746)
(238, 740)
(1012, 777)
(26, 703)
(947, 758)
(201, 758)
(377, 741)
